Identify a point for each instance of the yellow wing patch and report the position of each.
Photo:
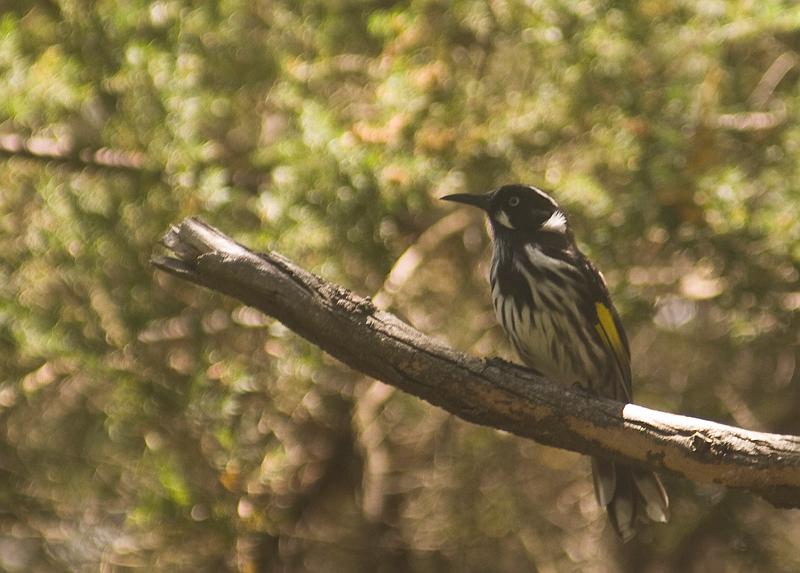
(609, 333)
(607, 330)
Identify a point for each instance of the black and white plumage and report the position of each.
(555, 307)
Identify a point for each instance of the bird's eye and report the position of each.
(513, 202)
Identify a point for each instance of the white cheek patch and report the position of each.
(556, 223)
(503, 219)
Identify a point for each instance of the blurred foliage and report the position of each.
(147, 424)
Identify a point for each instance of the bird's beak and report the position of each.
(479, 201)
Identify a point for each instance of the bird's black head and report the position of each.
(518, 208)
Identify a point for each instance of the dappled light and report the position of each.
(152, 425)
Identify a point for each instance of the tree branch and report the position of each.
(490, 392)
(62, 152)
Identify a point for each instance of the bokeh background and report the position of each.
(146, 424)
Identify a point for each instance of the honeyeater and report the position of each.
(555, 308)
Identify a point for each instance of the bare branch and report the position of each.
(772, 77)
(488, 392)
(61, 151)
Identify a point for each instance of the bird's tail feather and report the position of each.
(629, 495)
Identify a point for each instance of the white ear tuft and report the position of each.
(556, 223)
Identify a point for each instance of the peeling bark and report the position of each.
(490, 392)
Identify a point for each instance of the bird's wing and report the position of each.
(609, 327)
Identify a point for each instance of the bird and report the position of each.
(556, 310)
